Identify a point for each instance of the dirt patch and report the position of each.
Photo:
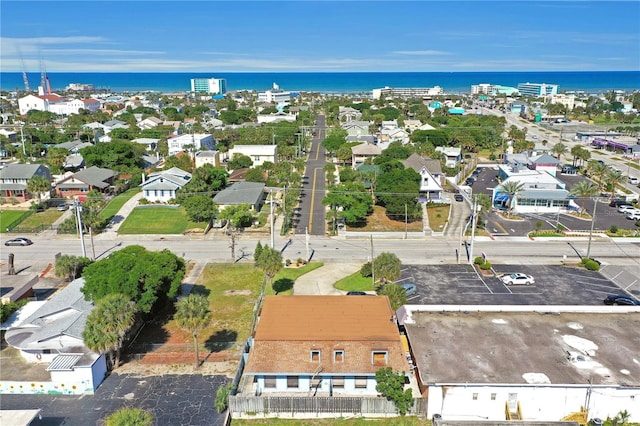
(237, 293)
(378, 221)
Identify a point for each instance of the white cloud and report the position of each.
(421, 52)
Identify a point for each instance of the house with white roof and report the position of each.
(259, 154)
(198, 141)
(150, 143)
(453, 154)
(356, 128)
(346, 114)
(160, 187)
(149, 123)
(207, 157)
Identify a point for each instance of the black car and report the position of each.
(470, 181)
(18, 242)
(458, 197)
(358, 293)
(619, 202)
(621, 299)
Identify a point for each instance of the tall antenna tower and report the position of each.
(44, 80)
(24, 73)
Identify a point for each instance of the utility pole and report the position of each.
(593, 221)
(273, 235)
(405, 221)
(473, 228)
(373, 274)
(24, 151)
(80, 230)
(306, 241)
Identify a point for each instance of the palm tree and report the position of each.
(108, 324)
(583, 190)
(512, 188)
(559, 149)
(269, 262)
(613, 179)
(598, 170)
(575, 153)
(37, 185)
(192, 315)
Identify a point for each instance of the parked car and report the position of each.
(633, 180)
(21, 241)
(409, 289)
(518, 278)
(458, 197)
(625, 207)
(62, 207)
(621, 299)
(470, 181)
(358, 293)
(619, 202)
(633, 214)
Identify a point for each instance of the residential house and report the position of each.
(197, 141)
(431, 176)
(543, 162)
(453, 154)
(372, 139)
(535, 363)
(15, 177)
(346, 114)
(360, 154)
(541, 192)
(387, 136)
(53, 334)
(93, 178)
(160, 187)
(207, 157)
(276, 117)
(114, 124)
(240, 193)
(411, 125)
(356, 128)
(323, 346)
(259, 154)
(74, 146)
(150, 143)
(149, 123)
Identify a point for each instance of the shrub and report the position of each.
(129, 417)
(485, 266)
(222, 397)
(590, 264)
(478, 260)
(143, 201)
(613, 229)
(366, 270)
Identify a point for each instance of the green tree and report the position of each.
(391, 386)
(115, 155)
(71, 267)
(386, 267)
(222, 397)
(108, 324)
(583, 190)
(146, 277)
(239, 216)
(200, 208)
(257, 251)
(56, 158)
(192, 315)
(559, 150)
(239, 161)
(512, 188)
(598, 170)
(334, 140)
(351, 200)
(396, 294)
(37, 185)
(270, 263)
(129, 416)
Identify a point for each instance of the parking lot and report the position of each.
(461, 285)
(606, 216)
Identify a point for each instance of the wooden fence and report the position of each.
(339, 406)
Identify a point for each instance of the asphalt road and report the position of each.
(172, 399)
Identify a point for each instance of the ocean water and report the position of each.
(348, 82)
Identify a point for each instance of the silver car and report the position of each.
(517, 278)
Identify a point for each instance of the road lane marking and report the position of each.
(313, 196)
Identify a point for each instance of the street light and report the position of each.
(593, 221)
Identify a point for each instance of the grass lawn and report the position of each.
(355, 282)
(10, 218)
(283, 281)
(157, 220)
(390, 421)
(379, 222)
(438, 216)
(45, 218)
(117, 202)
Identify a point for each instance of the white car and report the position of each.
(625, 208)
(633, 214)
(518, 278)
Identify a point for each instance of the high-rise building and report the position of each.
(537, 89)
(209, 85)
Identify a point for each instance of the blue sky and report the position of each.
(299, 36)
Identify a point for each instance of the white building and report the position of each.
(453, 154)
(56, 104)
(568, 101)
(536, 90)
(481, 89)
(275, 96)
(160, 187)
(207, 157)
(177, 143)
(209, 85)
(259, 154)
(541, 192)
(407, 92)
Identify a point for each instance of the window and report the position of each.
(379, 357)
(338, 356)
(315, 356)
(269, 381)
(292, 381)
(361, 382)
(493, 396)
(475, 396)
(338, 382)
(315, 382)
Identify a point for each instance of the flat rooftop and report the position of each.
(526, 347)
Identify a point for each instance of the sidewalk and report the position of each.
(320, 281)
(111, 231)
